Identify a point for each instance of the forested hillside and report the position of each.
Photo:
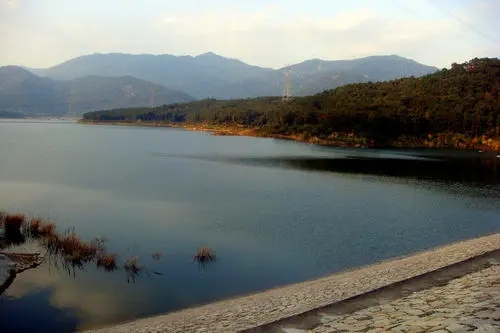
(446, 108)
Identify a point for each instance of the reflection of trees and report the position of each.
(472, 171)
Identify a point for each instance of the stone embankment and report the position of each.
(12, 264)
(467, 304)
(266, 311)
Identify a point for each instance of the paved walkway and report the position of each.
(467, 304)
(269, 306)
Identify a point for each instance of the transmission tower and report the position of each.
(287, 87)
(153, 92)
(70, 106)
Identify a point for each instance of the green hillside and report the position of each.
(446, 108)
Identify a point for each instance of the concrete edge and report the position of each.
(308, 320)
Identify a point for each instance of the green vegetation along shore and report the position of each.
(453, 108)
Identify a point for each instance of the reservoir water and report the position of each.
(275, 212)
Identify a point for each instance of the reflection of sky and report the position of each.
(93, 298)
(268, 226)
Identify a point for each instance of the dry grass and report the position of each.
(2, 218)
(205, 255)
(37, 227)
(132, 265)
(47, 229)
(71, 246)
(34, 225)
(67, 249)
(13, 222)
(107, 261)
(132, 268)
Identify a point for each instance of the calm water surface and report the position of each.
(276, 212)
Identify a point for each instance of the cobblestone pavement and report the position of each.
(5, 265)
(467, 304)
(272, 305)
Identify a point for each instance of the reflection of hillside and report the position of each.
(481, 171)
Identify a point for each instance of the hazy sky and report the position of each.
(42, 33)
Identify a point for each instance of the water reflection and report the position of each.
(91, 300)
(253, 200)
(449, 167)
(477, 170)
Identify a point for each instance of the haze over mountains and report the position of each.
(211, 75)
(28, 94)
(101, 81)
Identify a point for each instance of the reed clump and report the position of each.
(12, 223)
(77, 250)
(205, 255)
(131, 265)
(39, 228)
(107, 261)
(67, 246)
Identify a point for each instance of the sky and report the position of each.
(274, 33)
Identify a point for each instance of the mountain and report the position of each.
(374, 68)
(211, 75)
(201, 76)
(26, 93)
(101, 93)
(316, 75)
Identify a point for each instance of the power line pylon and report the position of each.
(153, 92)
(287, 86)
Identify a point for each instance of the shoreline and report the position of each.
(253, 132)
(250, 312)
(233, 131)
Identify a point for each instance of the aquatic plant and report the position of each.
(47, 229)
(12, 223)
(33, 226)
(107, 261)
(37, 228)
(205, 255)
(66, 250)
(72, 246)
(156, 256)
(132, 268)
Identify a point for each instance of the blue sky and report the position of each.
(42, 33)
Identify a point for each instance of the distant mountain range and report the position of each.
(213, 76)
(23, 92)
(100, 81)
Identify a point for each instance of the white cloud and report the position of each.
(269, 35)
(272, 39)
(96, 300)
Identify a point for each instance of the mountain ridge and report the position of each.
(209, 75)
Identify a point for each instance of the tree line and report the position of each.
(463, 100)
